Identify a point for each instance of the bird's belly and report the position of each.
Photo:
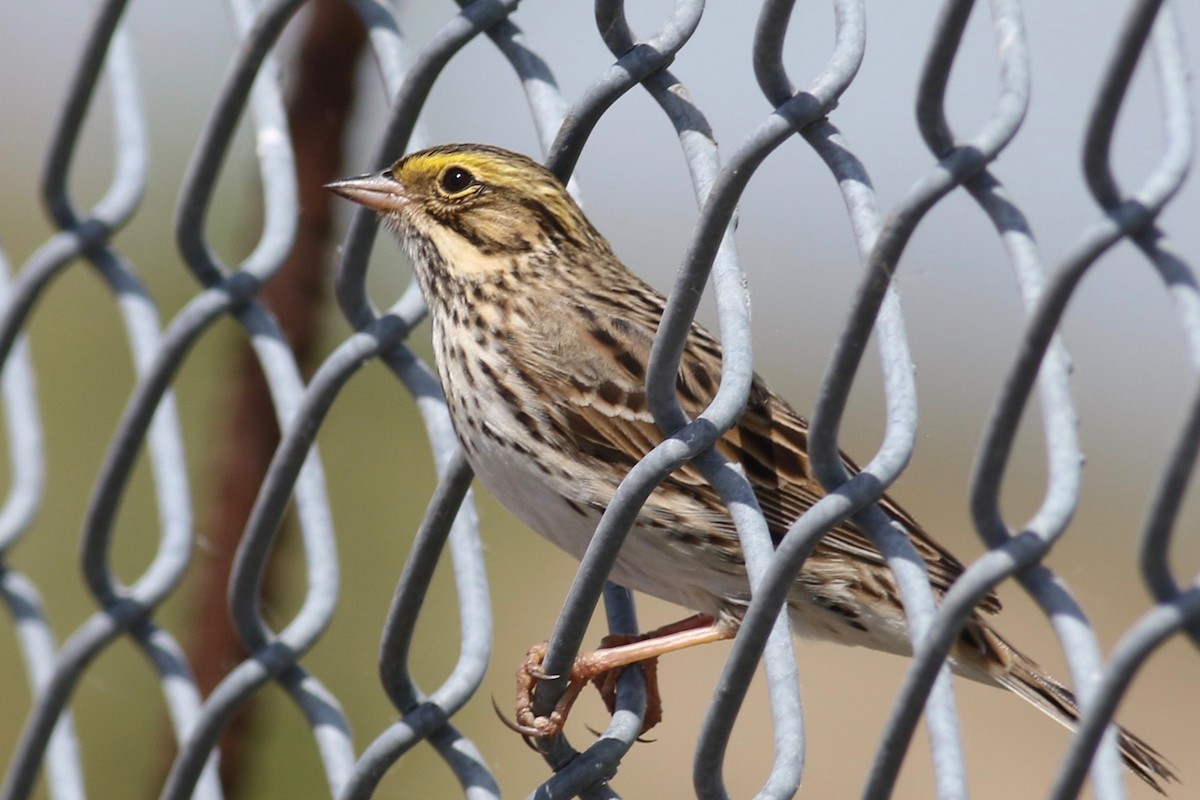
(645, 563)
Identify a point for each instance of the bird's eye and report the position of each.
(456, 179)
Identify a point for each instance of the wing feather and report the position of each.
(604, 413)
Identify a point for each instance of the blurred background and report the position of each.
(1131, 378)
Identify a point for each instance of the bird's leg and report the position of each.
(622, 649)
(604, 666)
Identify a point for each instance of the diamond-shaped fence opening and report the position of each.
(163, 399)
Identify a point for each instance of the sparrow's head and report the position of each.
(470, 210)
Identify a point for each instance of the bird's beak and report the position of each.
(378, 191)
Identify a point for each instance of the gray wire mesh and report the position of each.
(126, 610)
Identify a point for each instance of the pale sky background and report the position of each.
(1131, 379)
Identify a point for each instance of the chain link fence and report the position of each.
(295, 482)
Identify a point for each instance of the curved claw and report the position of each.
(532, 666)
(527, 732)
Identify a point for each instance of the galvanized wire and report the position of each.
(295, 477)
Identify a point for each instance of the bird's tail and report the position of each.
(984, 655)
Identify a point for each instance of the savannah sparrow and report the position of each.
(542, 337)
